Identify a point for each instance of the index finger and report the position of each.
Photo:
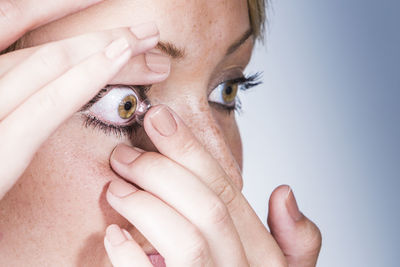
(175, 140)
(18, 17)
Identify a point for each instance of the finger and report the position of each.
(164, 178)
(175, 238)
(52, 60)
(149, 68)
(175, 140)
(298, 237)
(88, 43)
(31, 123)
(122, 250)
(17, 17)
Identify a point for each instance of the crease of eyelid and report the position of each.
(246, 83)
(239, 42)
(142, 90)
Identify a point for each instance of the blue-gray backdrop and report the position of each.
(326, 121)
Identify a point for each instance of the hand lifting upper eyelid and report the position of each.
(140, 90)
(111, 108)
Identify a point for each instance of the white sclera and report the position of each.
(106, 109)
(216, 95)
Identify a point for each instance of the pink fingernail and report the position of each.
(124, 154)
(121, 189)
(114, 235)
(291, 206)
(163, 121)
(158, 63)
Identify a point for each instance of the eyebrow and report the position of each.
(176, 53)
(179, 53)
(171, 50)
(239, 42)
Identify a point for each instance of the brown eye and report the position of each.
(229, 92)
(127, 107)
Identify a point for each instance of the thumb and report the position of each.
(298, 237)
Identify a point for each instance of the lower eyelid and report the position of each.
(118, 131)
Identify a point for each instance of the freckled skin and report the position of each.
(57, 211)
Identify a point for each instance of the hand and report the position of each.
(43, 86)
(192, 213)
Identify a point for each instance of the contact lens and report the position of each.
(127, 107)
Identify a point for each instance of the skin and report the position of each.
(58, 209)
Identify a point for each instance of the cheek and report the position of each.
(73, 167)
(64, 188)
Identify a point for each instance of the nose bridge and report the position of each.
(199, 117)
(188, 98)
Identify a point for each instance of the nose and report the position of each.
(216, 130)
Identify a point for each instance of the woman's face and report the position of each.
(62, 191)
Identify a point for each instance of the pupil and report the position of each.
(228, 90)
(128, 106)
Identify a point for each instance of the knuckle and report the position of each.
(9, 10)
(312, 238)
(53, 56)
(218, 213)
(226, 192)
(189, 146)
(50, 99)
(196, 253)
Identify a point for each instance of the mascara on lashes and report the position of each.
(117, 109)
(127, 128)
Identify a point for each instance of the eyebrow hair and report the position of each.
(239, 42)
(171, 50)
(179, 53)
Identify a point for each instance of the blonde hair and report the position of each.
(257, 17)
(256, 14)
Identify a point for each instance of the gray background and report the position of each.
(326, 121)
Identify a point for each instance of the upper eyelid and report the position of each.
(141, 90)
(239, 80)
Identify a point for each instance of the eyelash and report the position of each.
(245, 83)
(119, 131)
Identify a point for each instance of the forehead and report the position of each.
(198, 26)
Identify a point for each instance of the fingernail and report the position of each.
(163, 121)
(158, 62)
(156, 51)
(144, 31)
(291, 206)
(114, 235)
(127, 234)
(124, 154)
(121, 189)
(117, 48)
